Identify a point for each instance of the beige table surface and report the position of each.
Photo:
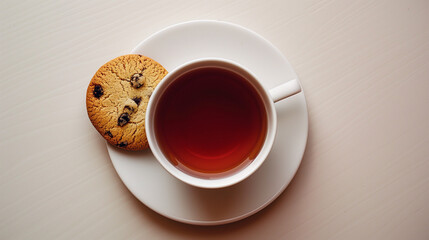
(364, 66)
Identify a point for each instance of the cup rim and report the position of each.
(222, 181)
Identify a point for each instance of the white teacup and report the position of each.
(268, 98)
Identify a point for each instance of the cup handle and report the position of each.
(285, 90)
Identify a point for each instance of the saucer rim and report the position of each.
(274, 196)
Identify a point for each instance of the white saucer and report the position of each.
(164, 194)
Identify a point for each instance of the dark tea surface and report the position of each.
(210, 122)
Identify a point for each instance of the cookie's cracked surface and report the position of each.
(117, 108)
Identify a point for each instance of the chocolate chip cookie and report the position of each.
(117, 98)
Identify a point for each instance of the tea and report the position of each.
(210, 122)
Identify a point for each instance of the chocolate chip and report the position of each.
(98, 91)
(137, 100)
(128, 109)
(137, 80)
(123, 144)
(123, 119)
(108, 133)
